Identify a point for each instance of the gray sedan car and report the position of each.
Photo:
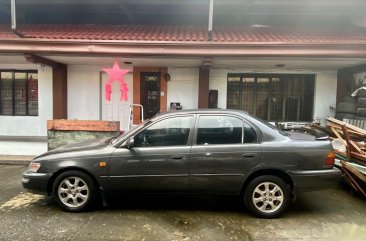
(224, 152)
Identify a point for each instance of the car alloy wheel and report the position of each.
(267, 196)
(74, 191)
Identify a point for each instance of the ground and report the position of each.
(332, 214)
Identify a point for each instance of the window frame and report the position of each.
(27, 72)
(286, 78)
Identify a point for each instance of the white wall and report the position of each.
(325, 95)
(83, 92)
(84, 95)
(31, 125)
(183, 87)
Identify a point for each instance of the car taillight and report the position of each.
(329, 161)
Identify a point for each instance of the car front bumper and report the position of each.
(315, 179)
(36, 182)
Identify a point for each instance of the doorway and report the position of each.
(150, 93)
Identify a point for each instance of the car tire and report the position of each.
(74, 191)
(267, 196)
(361, 102)
(346, 107)
(349, 99)
(361, 112)
(361, 93)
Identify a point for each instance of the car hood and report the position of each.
(79, 146)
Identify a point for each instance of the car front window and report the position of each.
(168, 132)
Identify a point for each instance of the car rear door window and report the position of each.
(250, 136)
(169, 132)
(219, 130)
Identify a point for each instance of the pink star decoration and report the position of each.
(114, 74)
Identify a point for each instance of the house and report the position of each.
(279, 61)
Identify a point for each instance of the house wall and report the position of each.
(29, 125)
(83, 92)
(84, 89)
(84, 95)
(183, 87)
(84, 98)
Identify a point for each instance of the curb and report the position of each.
(15, 160)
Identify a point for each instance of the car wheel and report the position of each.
(74, 191)
(267, 196)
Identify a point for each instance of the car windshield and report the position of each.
(271, 126)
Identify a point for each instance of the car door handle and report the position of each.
(248, 155)
(178, 157)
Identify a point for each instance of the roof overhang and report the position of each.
(185, 49)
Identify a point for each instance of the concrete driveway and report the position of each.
(324, 215)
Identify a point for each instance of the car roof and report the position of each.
(203, 111)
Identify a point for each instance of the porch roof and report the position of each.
(161, 33)
(186, 41)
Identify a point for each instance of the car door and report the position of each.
(226, 148)
(158, 161)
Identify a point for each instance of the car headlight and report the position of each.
(34, 166)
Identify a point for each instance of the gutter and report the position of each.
(14, 20)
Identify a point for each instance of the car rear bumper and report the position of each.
(36, 182)
(315, 179)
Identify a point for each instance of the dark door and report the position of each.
(159, 160)
(150, 93)
(226, 149)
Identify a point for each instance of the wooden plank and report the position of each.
(354, 182)
(354, 145)
(351, 127)
(358, 174)
(360, 158)
(82, 125)
(338, 136)
(348, 171)
(351, 132)
(348, 144)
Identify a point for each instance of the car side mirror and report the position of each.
(130, 143)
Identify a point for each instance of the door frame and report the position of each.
(137, 88)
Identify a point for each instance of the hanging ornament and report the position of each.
(116, 74)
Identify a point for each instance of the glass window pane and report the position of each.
(262, 98)
(248, 94)
(219, 130)
(169, 132)
(233, 93)
(277, 93)
(250, 136)
(6, 93)
(32, 93)
(20, 98)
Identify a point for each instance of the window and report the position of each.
(168, 132)
(250, 136)
(275, 97)
(219, 130)
(19, 93)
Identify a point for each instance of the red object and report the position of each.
(116, 74)
(108, 91)
(329, 161)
